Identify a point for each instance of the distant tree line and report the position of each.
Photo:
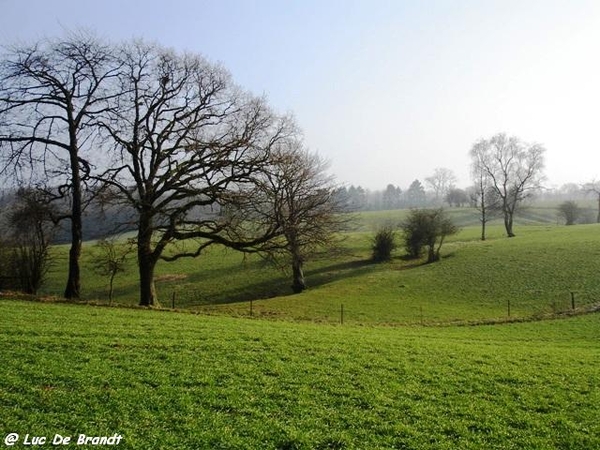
(393, 197)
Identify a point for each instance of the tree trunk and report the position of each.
(508, 222)
(483, 220)
(431, 254)
(147, 289)
(73, 288)
(146, 262)
(298, 284)
(110, 288)
(483, 210)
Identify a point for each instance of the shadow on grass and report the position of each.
(278, 284)
(338, 271)
(255, 280)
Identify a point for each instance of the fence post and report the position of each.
(572, 300)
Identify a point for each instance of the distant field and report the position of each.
(181, 381)
(530, 275)
(534, 273)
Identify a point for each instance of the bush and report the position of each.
(426, 228)
(384, 243)
(569, 211)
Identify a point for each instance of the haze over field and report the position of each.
(386, 90)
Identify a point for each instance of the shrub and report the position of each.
(569, 211)
(384, 243)
(426, 228)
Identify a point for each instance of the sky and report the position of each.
(387, 91)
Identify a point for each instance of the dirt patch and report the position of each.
(170, 277)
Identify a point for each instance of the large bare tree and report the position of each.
(513, 168)
(187, 145)
(49, 92)
(302, 199)
(441, 182)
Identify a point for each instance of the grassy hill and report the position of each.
(221, 379)
(181, 381)
(531, 275)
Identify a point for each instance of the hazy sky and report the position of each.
(386, 90)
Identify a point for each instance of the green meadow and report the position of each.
(482, 350)
(174, 380)
(536, 273)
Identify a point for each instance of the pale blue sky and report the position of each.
(386, 90)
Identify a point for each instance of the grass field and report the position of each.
(181, 381)
(215, 378)
(531, 275)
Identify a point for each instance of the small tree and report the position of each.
(414, 232)
(384, 243)
(427, 228)
(25, 246)
(512, 168)
(298, 195)
(112, 260)
(569, 211)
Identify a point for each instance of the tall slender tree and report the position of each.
(49, 93)
(593, 187)
(483, 195)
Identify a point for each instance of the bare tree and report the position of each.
(441, 182)
(111, 260)
(28, 230)
(48, 93)
(483, 194)
(302, 199)
(187, 144)
(593, 187)
(513, 169)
